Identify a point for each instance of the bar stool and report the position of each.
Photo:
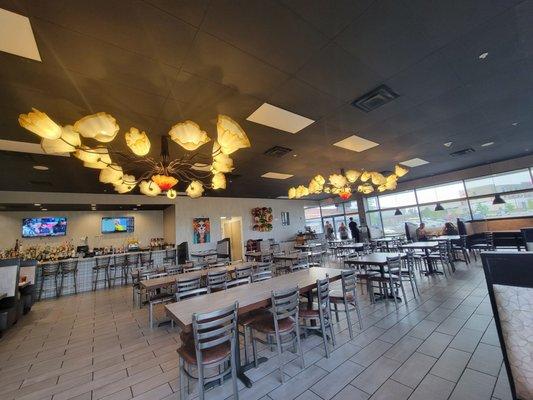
(170, 257)
(214, 346)
(66, 268)
(102, 264)
(146, 260)
(132, 261)
(120, 267)
(48, 271)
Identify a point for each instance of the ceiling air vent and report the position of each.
(462, 152)
(277, 151)
(375, 98)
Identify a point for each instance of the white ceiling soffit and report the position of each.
(356, 143)
(25, 147)
(278, 118)
(414, 162)
(16, 35)
(276, 175)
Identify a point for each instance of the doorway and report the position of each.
(232, 228)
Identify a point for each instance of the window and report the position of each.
(452, 211)
(372, 203)
(395, 224)
(506, 182)
(448, 191)
(332, 209)
(374, 224)
(315, 225)
(397, 199)
(350, 207)
(312, 212)
(516, 205)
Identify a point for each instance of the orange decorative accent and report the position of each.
(345, 195)
(165, 182)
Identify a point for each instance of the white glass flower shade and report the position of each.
(222, 163)
(188, 135)
(218, 181)
(100, 126)
(149, 188)
(195, 189)
(41, 124)
(230, 136)
(138, 142)
(67, 143)
(111, 174)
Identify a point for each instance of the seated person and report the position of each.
(449, 229)
(421, 233)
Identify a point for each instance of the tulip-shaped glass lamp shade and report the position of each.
(149, 188)
(230, 136)
(67, 142)
(218, 181)
(195, 189)
(100, 126)
(188, 135)
(138, 142)
(41, 124)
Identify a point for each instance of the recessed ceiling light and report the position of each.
(135, 208)
(414, 162)
(16, 35)
(278, 118)
(482, 56)
(41, 167)
(295, 155)
(515, 124)
(26, 147)
(37, 204)
(448, 144)
(487, 144)
(93, 205)
(44, 209)
(138, 205)
(276, 175)
(283, 197)
(356, 143)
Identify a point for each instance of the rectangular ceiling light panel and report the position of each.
(278, 118)
(276, 175)
(25, 147)
(16, 35)
(356, 143)
(414, 162)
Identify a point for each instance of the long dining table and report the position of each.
(250, 297)
(156, 283)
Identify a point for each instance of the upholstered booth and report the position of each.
(527, 235)
(9, 304)
(510, 284)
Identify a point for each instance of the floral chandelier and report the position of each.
(346, 182)
(157, 176)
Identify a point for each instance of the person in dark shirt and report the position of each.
(355, 231)
(449, 229)
(421, 233)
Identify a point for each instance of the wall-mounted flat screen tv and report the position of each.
(45, 226)
(117, 224)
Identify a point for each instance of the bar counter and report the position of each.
(85, 274)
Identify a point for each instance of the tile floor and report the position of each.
(442, 345)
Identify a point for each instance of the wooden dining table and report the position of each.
(156, 283)
(249, 297)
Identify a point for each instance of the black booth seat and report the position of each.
(10, 304)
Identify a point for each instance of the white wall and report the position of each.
(148, 224)
(214, 208)
(177, 219)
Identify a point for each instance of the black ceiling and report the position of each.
(156, 62)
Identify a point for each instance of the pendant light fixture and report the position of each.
(498, 199)
(397, 212)
(439, 207)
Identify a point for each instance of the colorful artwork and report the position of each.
(201, 230)
(262, 219)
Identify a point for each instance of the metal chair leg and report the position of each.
(348, 319)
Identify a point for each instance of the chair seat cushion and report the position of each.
(209, 356)
(265, 324)
(252, 316)
(308, 312)
(336, 296)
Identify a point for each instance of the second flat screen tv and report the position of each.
(117, 224)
